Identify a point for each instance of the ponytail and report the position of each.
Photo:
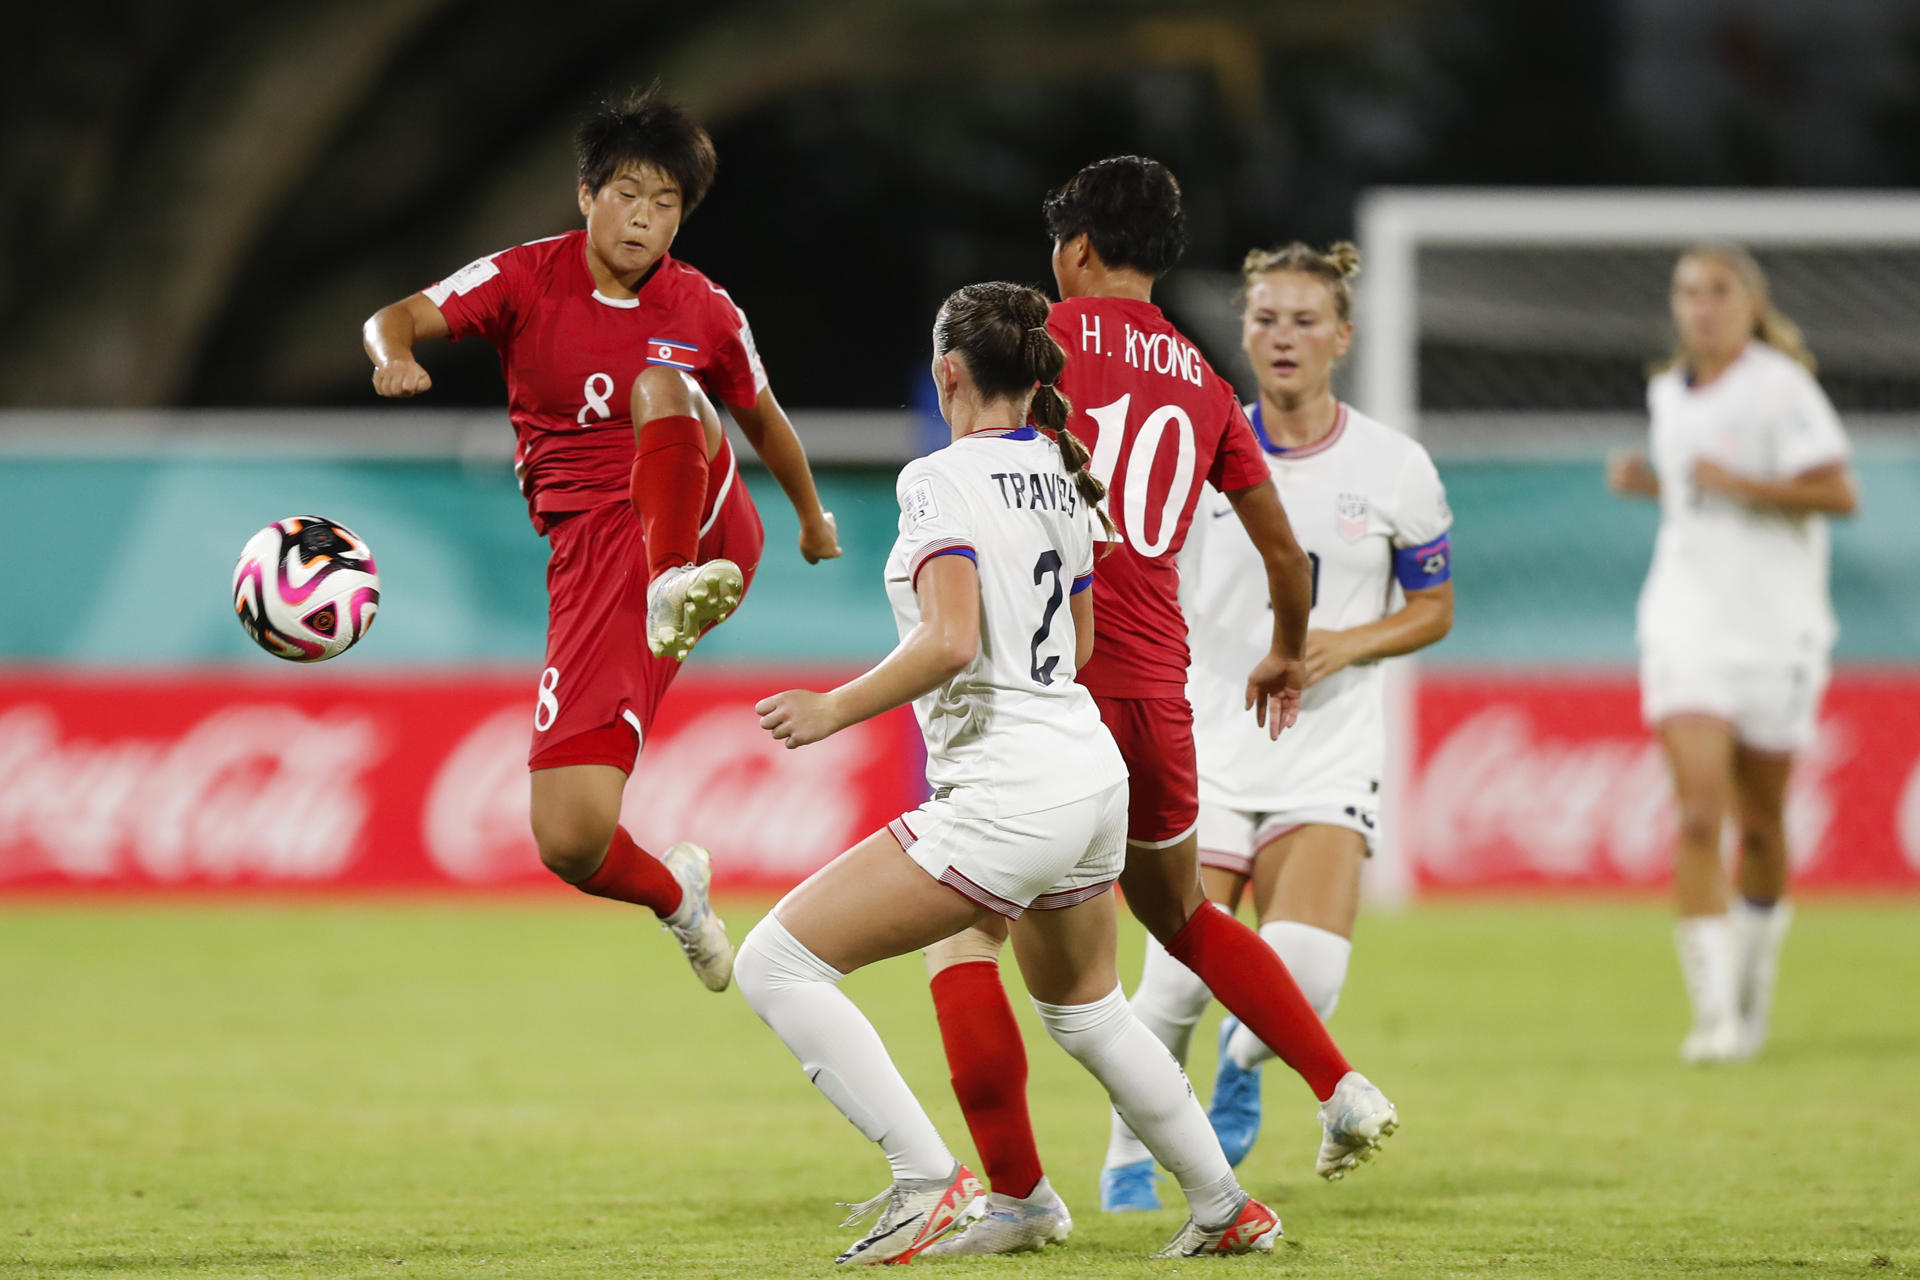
(1784, 336)
(1050, 410)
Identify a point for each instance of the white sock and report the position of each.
(1317, 959)
(1169, 1000)
(1705, 944)
(1149, 1089)
(1758, 934)
(795, 992)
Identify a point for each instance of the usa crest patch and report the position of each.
(1350, 515)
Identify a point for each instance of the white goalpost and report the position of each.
(1537, 311)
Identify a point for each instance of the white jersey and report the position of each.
(1730, 582)
(1013, 733)
(1368, 508)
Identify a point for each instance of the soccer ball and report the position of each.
(305, 588)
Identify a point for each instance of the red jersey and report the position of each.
(1159, 421)
(571, 354)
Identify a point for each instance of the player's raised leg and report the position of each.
(1244, 973)
(677, 432)
(1700, 755)
(576, 825)
(1761, 914)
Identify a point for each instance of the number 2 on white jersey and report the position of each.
(1128, 505)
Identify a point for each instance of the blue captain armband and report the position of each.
(1427, 565)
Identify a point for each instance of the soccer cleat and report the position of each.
(1002, 1224)
(1253, 1231)
(1235, 1109)
(1129, 1188)
(1356, 1120)
(913, 1214)
(687, 599)
(700, 933)
(1717, 1041)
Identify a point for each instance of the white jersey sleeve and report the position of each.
(935, 518)
(1807, 431)
(1420, 521)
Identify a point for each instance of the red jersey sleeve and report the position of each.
(1239, 463)
(484, 296)
(729, 363)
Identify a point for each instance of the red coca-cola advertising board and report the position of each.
(1553, 781)
(404, 782)
(299, 779)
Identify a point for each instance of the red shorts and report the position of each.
(1155, 736)
(602, 685)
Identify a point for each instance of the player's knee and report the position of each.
(1700, 824)
(771, 959)
(969, 946)
(1760, 838)
(661, 392)
(571, 845)
(1085, 1031)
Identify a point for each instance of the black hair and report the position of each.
(1128, 207)
(1000, 330)
(646, 129)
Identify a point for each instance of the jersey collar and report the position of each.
(1319, 446)
(624, 304)
(1008, 433)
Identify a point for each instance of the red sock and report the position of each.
(669, 488)
(1241, 969)
(989, 1065)
(631, 874)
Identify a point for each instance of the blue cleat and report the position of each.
(1129, 1188)
(1235, 1109)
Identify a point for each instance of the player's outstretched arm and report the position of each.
(939, 648)
(772, 436)
(389, 335)
(1273, 689)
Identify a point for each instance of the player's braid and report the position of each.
(1046, 359)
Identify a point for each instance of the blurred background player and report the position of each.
(1161, 422)
(1296, 816)
(1735, 627)
(609, 347)
(1027, 823)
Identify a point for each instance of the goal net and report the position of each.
(1512, 332)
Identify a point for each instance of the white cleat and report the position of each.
(1356, 1120)
(700, 933)
(1718, 1041)
(1002, 1224)
(1253, 1231)
(687, 599)
(913, 1215)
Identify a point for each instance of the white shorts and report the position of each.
(1054, 858)
(1770, 706)
(1230, 837)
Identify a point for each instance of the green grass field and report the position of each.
(511, 1089)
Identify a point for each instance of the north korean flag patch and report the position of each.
(675, 355)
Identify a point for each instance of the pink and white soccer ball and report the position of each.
(305, 588)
